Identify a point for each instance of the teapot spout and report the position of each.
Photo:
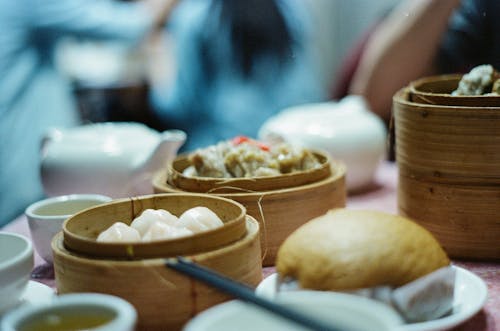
(165, 151)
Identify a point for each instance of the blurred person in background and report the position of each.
(238, 62)
(426, 37)
(33, 96)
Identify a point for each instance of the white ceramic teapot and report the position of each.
(347, 129)
(117, 159)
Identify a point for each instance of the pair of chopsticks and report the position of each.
(244, 293)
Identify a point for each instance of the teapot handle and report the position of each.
(51, 135)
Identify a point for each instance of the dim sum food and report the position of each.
(480, 80)
(352, 249)
(243, 157)
(159, 224)
(119, 232)
(386, 257)
(151, 216)
(199, 219)
(162, 231)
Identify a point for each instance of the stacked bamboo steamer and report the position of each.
(279, 203)
(163, 298)
(448, 154)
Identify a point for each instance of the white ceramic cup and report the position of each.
(16, 263)
(93, 311)
(46, 217)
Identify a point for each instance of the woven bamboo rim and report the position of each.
(81, 230)
(232, 185)
(163, 298)
(436, 90)
(447, 144)
(280, 212)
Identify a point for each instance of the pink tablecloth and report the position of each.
(381, 196)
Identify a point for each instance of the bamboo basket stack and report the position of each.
(279, 203)
(163, 298)
(448, 154)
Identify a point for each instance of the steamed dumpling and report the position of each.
(160, 231)
(148, 217)
(199, 219)
(119, 232)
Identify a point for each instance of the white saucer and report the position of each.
(341, 311)
(35, 293)
(469, 297)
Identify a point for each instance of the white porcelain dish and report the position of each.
(117, 159)
(470, 296)
(36, 293)
(343, 311)
(16, 263)
(471, 293)
(46, 217)
(347, 130)
(121, 315)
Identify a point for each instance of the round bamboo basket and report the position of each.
(464, 218)
(449, 173)
(233, 185)
(436, 90)
(82, 229)
(281, 211)
(163, 298)
(443, 143)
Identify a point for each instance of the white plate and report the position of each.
(469, 297)
(35, 293)
(344, 311)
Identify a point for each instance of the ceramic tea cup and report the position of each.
(16, 262)
(45, 217)
(81, 311)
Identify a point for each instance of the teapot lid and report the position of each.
(106, 133)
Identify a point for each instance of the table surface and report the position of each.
(380, 196)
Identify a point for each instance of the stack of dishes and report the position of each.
(137, 273)
(448, 153)
(279, 203)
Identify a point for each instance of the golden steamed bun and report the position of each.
(351, 249)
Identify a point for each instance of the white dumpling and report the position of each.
(119, 232)
(199, 219)
(151, 216)
(160, 231)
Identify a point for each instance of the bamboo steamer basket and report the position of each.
(163, 298)
(280, 211)
(82, 229)
(449, 173)
(233, 185)
(436, 90)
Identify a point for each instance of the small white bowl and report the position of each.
(343, 311)
(94, 311)
(46, 217)
(16, 263)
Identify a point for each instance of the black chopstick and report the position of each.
(244, 293)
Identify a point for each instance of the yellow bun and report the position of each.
(350, 249)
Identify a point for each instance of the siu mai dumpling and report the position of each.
(199, 219)
(119, 232)
(161, 231)
(148, 217)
